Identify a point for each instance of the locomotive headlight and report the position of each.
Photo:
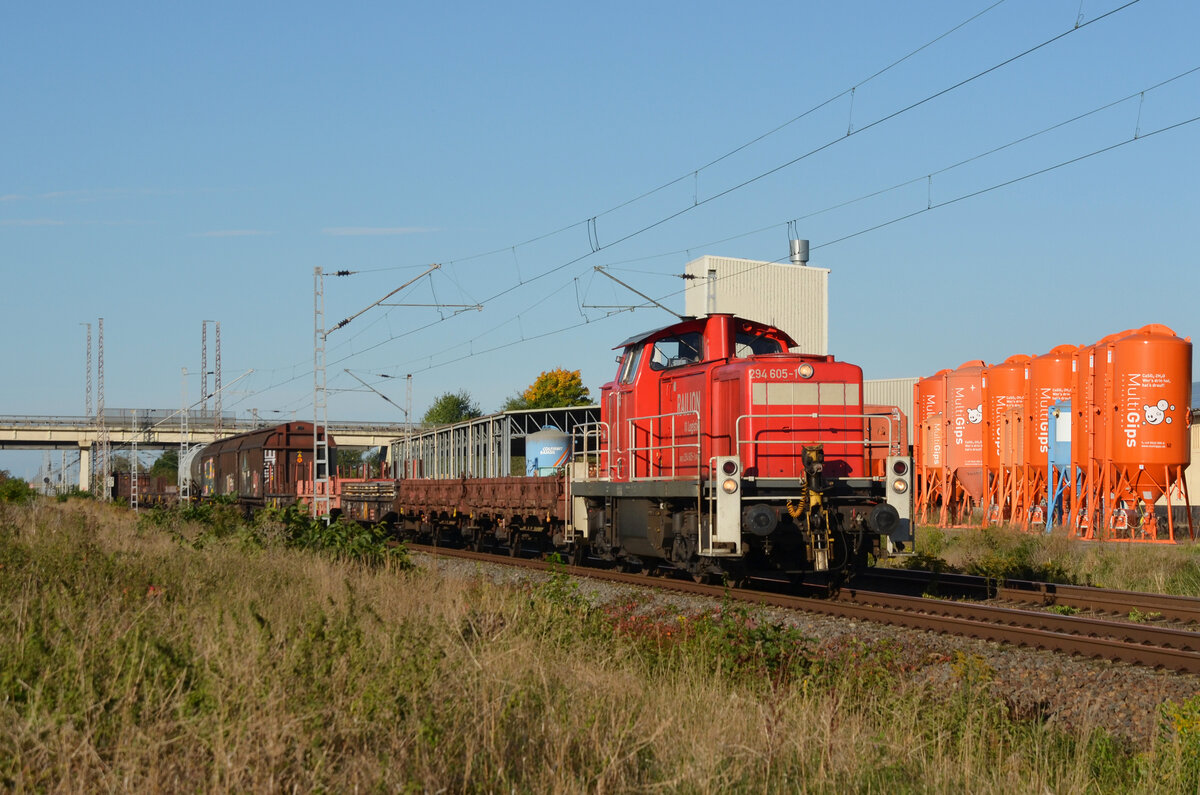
(729, 467)
(729, 486)
(805, 370)
(899, 485)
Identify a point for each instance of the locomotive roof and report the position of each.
(645, 335)
(688, 321)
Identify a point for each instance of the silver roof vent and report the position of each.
(799, 252)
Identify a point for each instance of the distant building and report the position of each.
(896, 392)
(794, 298)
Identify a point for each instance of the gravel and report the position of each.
(1073, 694)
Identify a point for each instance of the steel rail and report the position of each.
(1185, 609)
(1104, 600)
(1156, 647)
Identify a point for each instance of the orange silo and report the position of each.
(1050, 380)
(963, 423)
(1099, 479)
(1150, 424)
(929, 396)
(1003, 390)
(1089, 435)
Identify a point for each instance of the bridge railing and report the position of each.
(122, 419)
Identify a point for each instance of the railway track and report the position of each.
(1101, 601)
(1098, 638)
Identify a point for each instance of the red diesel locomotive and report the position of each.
(723, 454)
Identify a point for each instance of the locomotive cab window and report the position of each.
(629, 364)
(676, 351)
(746, 344)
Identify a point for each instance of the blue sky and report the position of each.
(171, 163)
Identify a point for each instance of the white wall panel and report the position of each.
(793, 298)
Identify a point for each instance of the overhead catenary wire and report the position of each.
(866, 230)
(594, 246)
(694, 173)
(924, 177)
(929, 206)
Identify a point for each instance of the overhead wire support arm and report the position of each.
(600, 270)
(423, 274)
(377, 392)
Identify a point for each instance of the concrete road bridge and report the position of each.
(158, 429)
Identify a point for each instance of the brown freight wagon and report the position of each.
(151, 490)
(260, 468)
(480, 511)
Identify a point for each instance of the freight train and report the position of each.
(718, 453)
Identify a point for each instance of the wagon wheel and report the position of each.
(514, 544)
(577, 555)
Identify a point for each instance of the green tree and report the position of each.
(349, 461)
(166, 465)
(122, 462)
(375, 458)
(450, 408)
(14, 489)
(552, 389)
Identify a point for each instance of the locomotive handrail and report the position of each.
(652, 448)
(600, 431)
(865, 442)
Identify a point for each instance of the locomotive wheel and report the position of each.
(577, 555)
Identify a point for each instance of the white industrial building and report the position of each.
(790, 296)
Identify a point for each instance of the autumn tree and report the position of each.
(552, 389)
(450, 408)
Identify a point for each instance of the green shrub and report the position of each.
(14, 489)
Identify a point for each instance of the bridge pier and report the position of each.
(85, 466)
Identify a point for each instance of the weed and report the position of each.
(131, 661)
(1063, 610)
(1181, 734)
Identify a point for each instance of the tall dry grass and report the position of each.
(133, 660)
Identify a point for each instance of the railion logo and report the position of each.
(688, 401)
